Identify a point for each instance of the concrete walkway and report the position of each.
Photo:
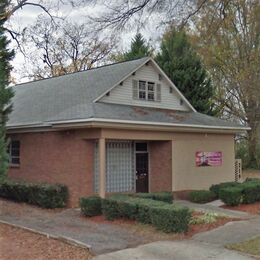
(104, 238)
(213, 207)
(70, 225)
(174, 250)
(206, 245)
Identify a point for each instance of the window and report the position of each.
(146, 90)
(14, 152)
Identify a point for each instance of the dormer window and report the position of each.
(146, 90)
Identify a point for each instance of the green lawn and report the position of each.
(251, 246)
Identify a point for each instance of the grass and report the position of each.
(251, 246)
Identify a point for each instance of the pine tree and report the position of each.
(184, 67)
(139, 48)
(6, 92)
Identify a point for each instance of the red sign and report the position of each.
(208, 159)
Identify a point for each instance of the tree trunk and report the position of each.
(253, 135)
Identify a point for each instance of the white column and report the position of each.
(102, 167)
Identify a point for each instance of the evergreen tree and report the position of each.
(6, 92)
(139, 48)
(184, 67)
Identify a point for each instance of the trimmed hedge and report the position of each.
(251, 191)
(170, 219)
(202, 196)
(231, 196)
(42, 195)
(245, 193)
(164, 216)
(161, 196)
(217, 187)
(90, 206)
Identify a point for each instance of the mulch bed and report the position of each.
(155, 234)
(249, 208)
(20, 244)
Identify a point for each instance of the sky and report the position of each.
(28, 15)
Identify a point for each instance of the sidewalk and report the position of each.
(213, 207)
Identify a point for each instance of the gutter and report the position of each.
(97, 122)
(147, 123)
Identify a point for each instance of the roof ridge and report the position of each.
(71, 73)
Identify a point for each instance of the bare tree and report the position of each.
(64, 48)
(119, 14)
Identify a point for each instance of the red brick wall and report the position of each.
(57, 157)
(160, 166)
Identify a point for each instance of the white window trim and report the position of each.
(147, 91)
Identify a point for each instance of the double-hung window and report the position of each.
(146, 90)
(14, 152)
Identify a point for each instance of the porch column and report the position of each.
(102, 167)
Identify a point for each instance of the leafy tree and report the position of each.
(228, 42)
(184, 67)
(6, 93)
(139, 48)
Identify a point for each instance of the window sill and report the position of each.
(14, 165)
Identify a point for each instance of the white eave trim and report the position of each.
(147, 123)
(124, 78)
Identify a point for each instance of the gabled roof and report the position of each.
(71, 98)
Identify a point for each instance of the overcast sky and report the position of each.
(28, 15)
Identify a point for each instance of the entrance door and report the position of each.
(141, 162)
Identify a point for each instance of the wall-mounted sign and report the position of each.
(208, 158)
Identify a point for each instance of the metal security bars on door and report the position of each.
(120, 173)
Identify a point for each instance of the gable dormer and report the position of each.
(148, 86)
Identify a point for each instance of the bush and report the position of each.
(90, 206)
(172, 218)
(169, 218)
(110, 209)
(217, 187)
(202, 196)
(251, 191)
(161, 196)
(42, 195)
(231, 196)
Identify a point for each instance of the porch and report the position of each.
(132, 166)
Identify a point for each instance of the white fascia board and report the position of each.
(124, 78)
(104, 120)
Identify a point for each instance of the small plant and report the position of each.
(90, 206)
(206, 218)
(202, 196)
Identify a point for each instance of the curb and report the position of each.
(65, 239)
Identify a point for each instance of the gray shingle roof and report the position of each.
(70, 97)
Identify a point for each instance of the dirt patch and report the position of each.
(19, 244)
(249, 208)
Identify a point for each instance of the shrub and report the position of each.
(251, 191)
(202, 196)
(169, 218)
(90, 206)
(217, 187)
(172, 218)
(231, 196)
(161, 196)
(110, 209)
(42, 195)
